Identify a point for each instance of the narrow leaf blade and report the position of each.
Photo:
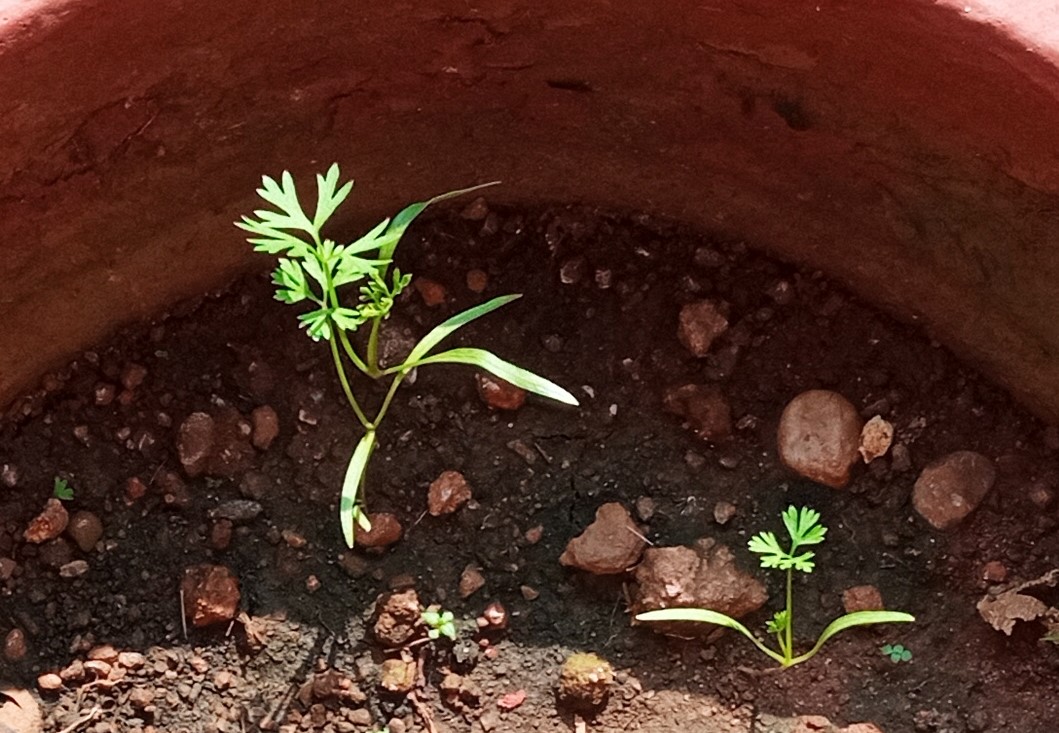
(358, 463)
(859, 618)
(441, 331)
(507, 371)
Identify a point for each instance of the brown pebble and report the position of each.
(49, 682)
(534, 534)
(221, 534)
(432, 292)
(498, 393)
(529, 593)
(994, 571)
(135, 489)
(103, 653)
(86, 529)
(477, 281)
(15, 647)
(448, 492)
(471, 581)
(265, 426)
(385, 530)
(862, 598)
(132, 376)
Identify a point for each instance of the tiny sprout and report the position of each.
(804, 529)
(897, 653)
(62, 490)
(439, 623)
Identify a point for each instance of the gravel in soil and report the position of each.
(98, 618)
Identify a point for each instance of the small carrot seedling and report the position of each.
(804, 528)
(439, 623)
(62, 490)
(897, 653)
(315, 270)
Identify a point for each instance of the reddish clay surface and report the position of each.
(907, 147)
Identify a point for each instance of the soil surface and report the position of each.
(599, 316)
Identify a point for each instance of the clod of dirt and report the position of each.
(584, 681)
(704, 409)
(611, 544)
(459, 692)
(385, 530)
(86, 529)
(700, 323)
(819, 437)
(723, 511)
(49, 524)
(447, 493)
(952, 487)
(398, 676)
(135, 489)
(174, 491)
(1002, 608)
(808, 724)
(862, 598)
(210, 594)
(701, 576)
(477, 281)
(498, 393)
(264, 426)
(397, 618)
(56, 553)
(217, 445)
(19, 711)
(875, 438)
(471, 581)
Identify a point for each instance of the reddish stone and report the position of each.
(498, 393)
(132, 376)
(385, 530)
(448, 492)
(433, 293)
(195, 442)
(49, 524)
(477, 281)
(611, 544)
(265, 424)
(174, 491)
(511, 700)
(49, 682)
(700, 324)
(211, 594)
(221, 534)
(862, 598)
(135, 489)
(952, 487)
(994, 571)
(471, 581)
(397, 618)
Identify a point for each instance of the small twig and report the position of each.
(82, 720)
(183, 615)
(652, 544)
(418, 519)
(423, 711)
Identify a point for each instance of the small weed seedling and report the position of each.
(897, 653)
(62, 490)
(439, 623)
(804, 529)
(316, 270)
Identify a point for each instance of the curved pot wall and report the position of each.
(908, 148)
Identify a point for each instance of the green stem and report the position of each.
(337, 358)
(373, 348)
(789, 648)
(352, 353)
(389, 398)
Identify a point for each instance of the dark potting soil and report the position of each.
(599, 316)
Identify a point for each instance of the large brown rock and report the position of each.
(952, 487)
(701, 576)
(210, 594)
(819, 437)
(611, 544)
